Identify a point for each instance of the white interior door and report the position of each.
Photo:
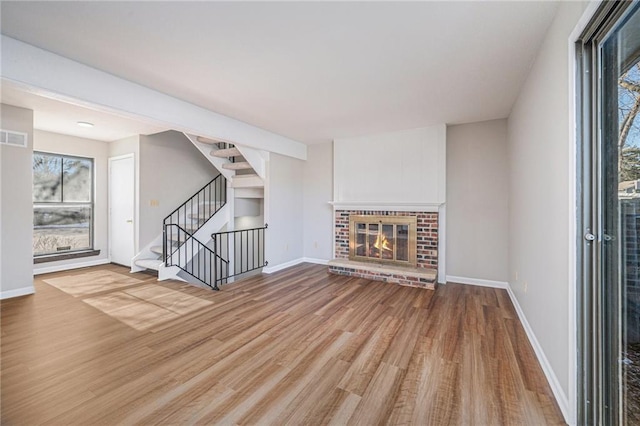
(121, 209)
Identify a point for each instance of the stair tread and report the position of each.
(204, 213)
(187, 226)
(249, 193)
(226, 153)
(149, 263)
(242, 165)
(212, 205)
(156, 249)
(176, 236)
(208, 141)
(247, 181)
(196, 216)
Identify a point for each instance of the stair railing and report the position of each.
(194, 212)
(194, 257)
(245, 247)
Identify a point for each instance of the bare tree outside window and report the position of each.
(62, 203)
(629, 137)
(629, 196)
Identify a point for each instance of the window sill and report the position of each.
(65, 256)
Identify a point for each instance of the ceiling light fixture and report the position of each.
(85, 124)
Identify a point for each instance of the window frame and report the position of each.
(91, 204)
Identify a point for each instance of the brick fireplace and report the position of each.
(423, 274)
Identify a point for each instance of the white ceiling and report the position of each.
(60, 117)
(311, 71)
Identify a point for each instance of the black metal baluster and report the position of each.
(259, 246)
(171, 239)
(239, 253)
(167, 240)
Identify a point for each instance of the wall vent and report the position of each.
(9, 137)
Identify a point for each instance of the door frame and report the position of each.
(575, 240)
(585, 156)
(135, 200)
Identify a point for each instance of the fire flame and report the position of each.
(382, 243)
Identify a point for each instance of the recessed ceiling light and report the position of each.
(84, 124)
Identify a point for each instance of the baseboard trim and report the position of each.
(58, 268)
(316, 261)
(285, 265)
(477, 281)
(552, 379)
(24, 291)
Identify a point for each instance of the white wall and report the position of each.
(539, 205)
(171, 171)
(317, 212)
(283, 210)
(16, 183)
(477, 201)
(99, 151)
(400, 167)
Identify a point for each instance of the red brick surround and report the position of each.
(427, 245)
(427, 234)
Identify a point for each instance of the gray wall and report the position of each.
(283, 209)
(477, 201)
(539, 199)
(99, 151)
(317, 212)
(16, 207)
(130, 145)
(171, 171)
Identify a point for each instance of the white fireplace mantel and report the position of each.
(392, 206)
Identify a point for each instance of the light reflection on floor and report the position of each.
(141, 307)
(147, 306)
(91, 282)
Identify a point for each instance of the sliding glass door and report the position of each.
(609, 198)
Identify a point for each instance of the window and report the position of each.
(62, 204)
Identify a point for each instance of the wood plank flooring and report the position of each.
(296, 347)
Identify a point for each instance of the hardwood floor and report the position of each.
(296, 347)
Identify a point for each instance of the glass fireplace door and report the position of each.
(383, 239)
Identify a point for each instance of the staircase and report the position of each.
(194, 245)
(183, 230)
(244, 167)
